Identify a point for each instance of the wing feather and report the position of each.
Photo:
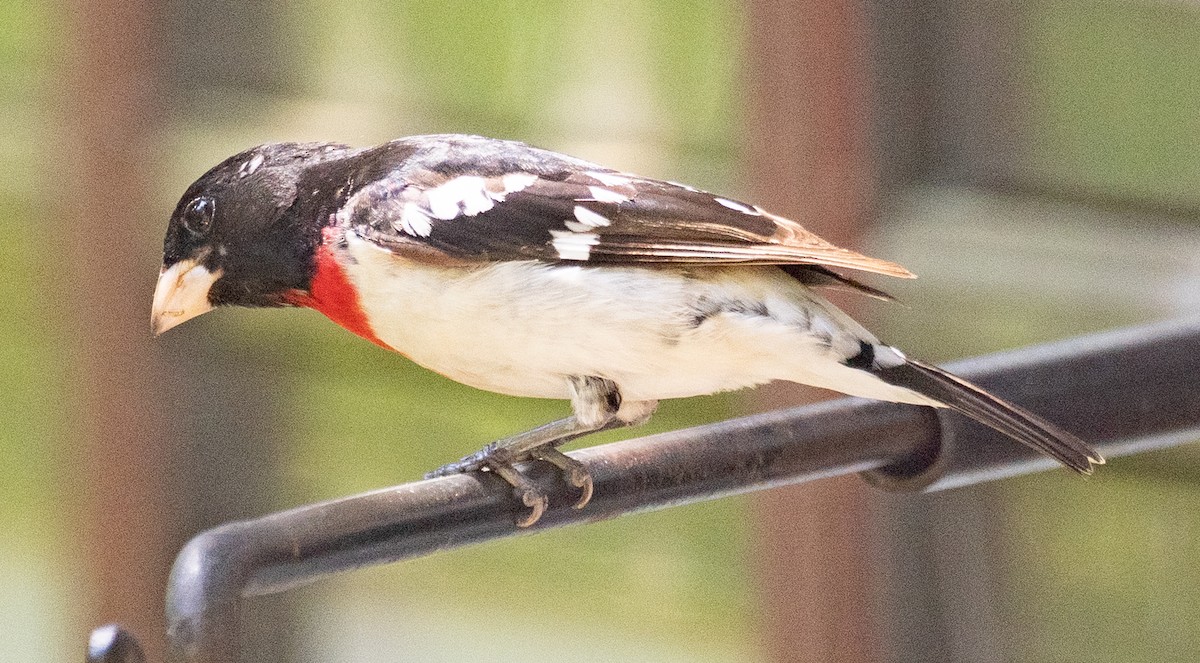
(575, 212)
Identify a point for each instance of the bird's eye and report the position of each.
(198, 215)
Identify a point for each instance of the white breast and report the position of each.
(522, 328)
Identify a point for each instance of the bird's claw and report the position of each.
(530, 495)
(574, 471)
(500, 461)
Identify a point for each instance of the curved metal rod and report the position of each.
(1128, 391)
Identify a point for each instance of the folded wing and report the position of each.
(574, 213)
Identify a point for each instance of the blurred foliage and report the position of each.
(1114, 581)
(37, 592)
(30, 349)
(1115, 96)
(1115, 108)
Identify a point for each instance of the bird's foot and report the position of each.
(500, 460)
(530, 495)
(573, 471)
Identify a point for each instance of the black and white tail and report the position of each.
(1015, 422)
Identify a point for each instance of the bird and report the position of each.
(531, 273)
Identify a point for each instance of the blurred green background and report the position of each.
(1082, 218)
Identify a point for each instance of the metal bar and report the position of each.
(1128, 391)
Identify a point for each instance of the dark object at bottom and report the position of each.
(112, 644)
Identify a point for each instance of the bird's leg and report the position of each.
(517, 447)
(596, 403)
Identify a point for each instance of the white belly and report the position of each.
(522, 328)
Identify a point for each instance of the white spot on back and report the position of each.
(738, 207)
(574, 245)
(609, 179)
(602, 195)
(514, 182)
(252, 165)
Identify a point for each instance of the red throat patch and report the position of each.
(334, 296)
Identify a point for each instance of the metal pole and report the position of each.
(1128, 391)
(111, 86)
(809, 155)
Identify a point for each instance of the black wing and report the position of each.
(481, 199)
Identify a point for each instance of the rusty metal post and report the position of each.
(809, 131)
(117, 432)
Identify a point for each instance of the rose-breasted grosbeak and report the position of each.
(531, 273)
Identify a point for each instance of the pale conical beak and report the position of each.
(181, 294)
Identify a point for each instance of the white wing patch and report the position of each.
(738, 207)
(514, 182)
(602, 195)
(586, 219)
(574, 245)
(609, 179)
(685, 187)
(415, 222)
(467, 195)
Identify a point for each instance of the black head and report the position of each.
(238, 235)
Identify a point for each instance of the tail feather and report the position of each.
(1011, 420)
